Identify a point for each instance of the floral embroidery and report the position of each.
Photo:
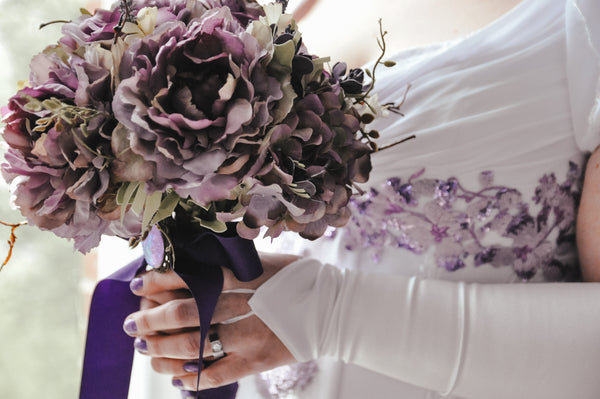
(284, 381)
(493, 226)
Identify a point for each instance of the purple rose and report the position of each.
(195, 99)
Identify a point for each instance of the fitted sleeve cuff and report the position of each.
(292, 304)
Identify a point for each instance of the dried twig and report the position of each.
(11, 241)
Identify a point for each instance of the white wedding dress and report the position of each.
(486, 193)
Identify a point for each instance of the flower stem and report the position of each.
(396, 143)
(58, 21)
(382, 46)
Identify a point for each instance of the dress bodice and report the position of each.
(487, 190)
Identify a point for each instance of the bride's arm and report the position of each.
(588, 221)
(474, 341)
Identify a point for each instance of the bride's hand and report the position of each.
(166, 328)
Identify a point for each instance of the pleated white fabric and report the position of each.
(518, 101)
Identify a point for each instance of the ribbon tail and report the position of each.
(199, 265)
(109, 351)
(206, 287)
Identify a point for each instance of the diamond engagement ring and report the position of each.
(216, 346)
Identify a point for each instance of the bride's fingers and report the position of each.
(175, 367)
(146, 304)
(150, 283)
(176, 314)
(184, 345)
(271, 263)
(166, 296)
(222, 372)
(181, 313)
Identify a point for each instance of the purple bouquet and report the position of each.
(210, 109)
(163, 121)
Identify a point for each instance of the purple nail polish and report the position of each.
(191, 367)
(188, 394)
(141, 345)
(130, 327)
(136, 284)
(177, 383)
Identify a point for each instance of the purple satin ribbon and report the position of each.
(199, 257)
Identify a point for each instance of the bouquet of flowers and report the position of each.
(209, 109)
(161, 116)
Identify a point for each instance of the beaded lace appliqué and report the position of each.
(284, 381)
(493, 226)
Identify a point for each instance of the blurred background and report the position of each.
(42, 289)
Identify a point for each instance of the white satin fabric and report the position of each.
(520, 98)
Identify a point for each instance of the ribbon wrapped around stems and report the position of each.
(199, 257)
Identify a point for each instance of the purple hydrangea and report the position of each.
(315, 158)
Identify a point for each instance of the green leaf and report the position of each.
(299, 164)
(151, 207)
(321, 60)
(84, 11)
(300, 192)
(369, 74)
(33, 105)
(52, 104)
(284, 53)
(214, 225)
(140, 199)
(167, 206)
(126, 191)
(84, 130)
(389, 64)
(124, 195)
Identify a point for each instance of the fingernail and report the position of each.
(191, 367)
(177, 383)
(136, 284)
(141, 345)
(188, 394)
(130, 327)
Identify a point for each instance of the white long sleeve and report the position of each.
(470, 340)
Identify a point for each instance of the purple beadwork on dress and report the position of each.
(494, 225)
(284, 381)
